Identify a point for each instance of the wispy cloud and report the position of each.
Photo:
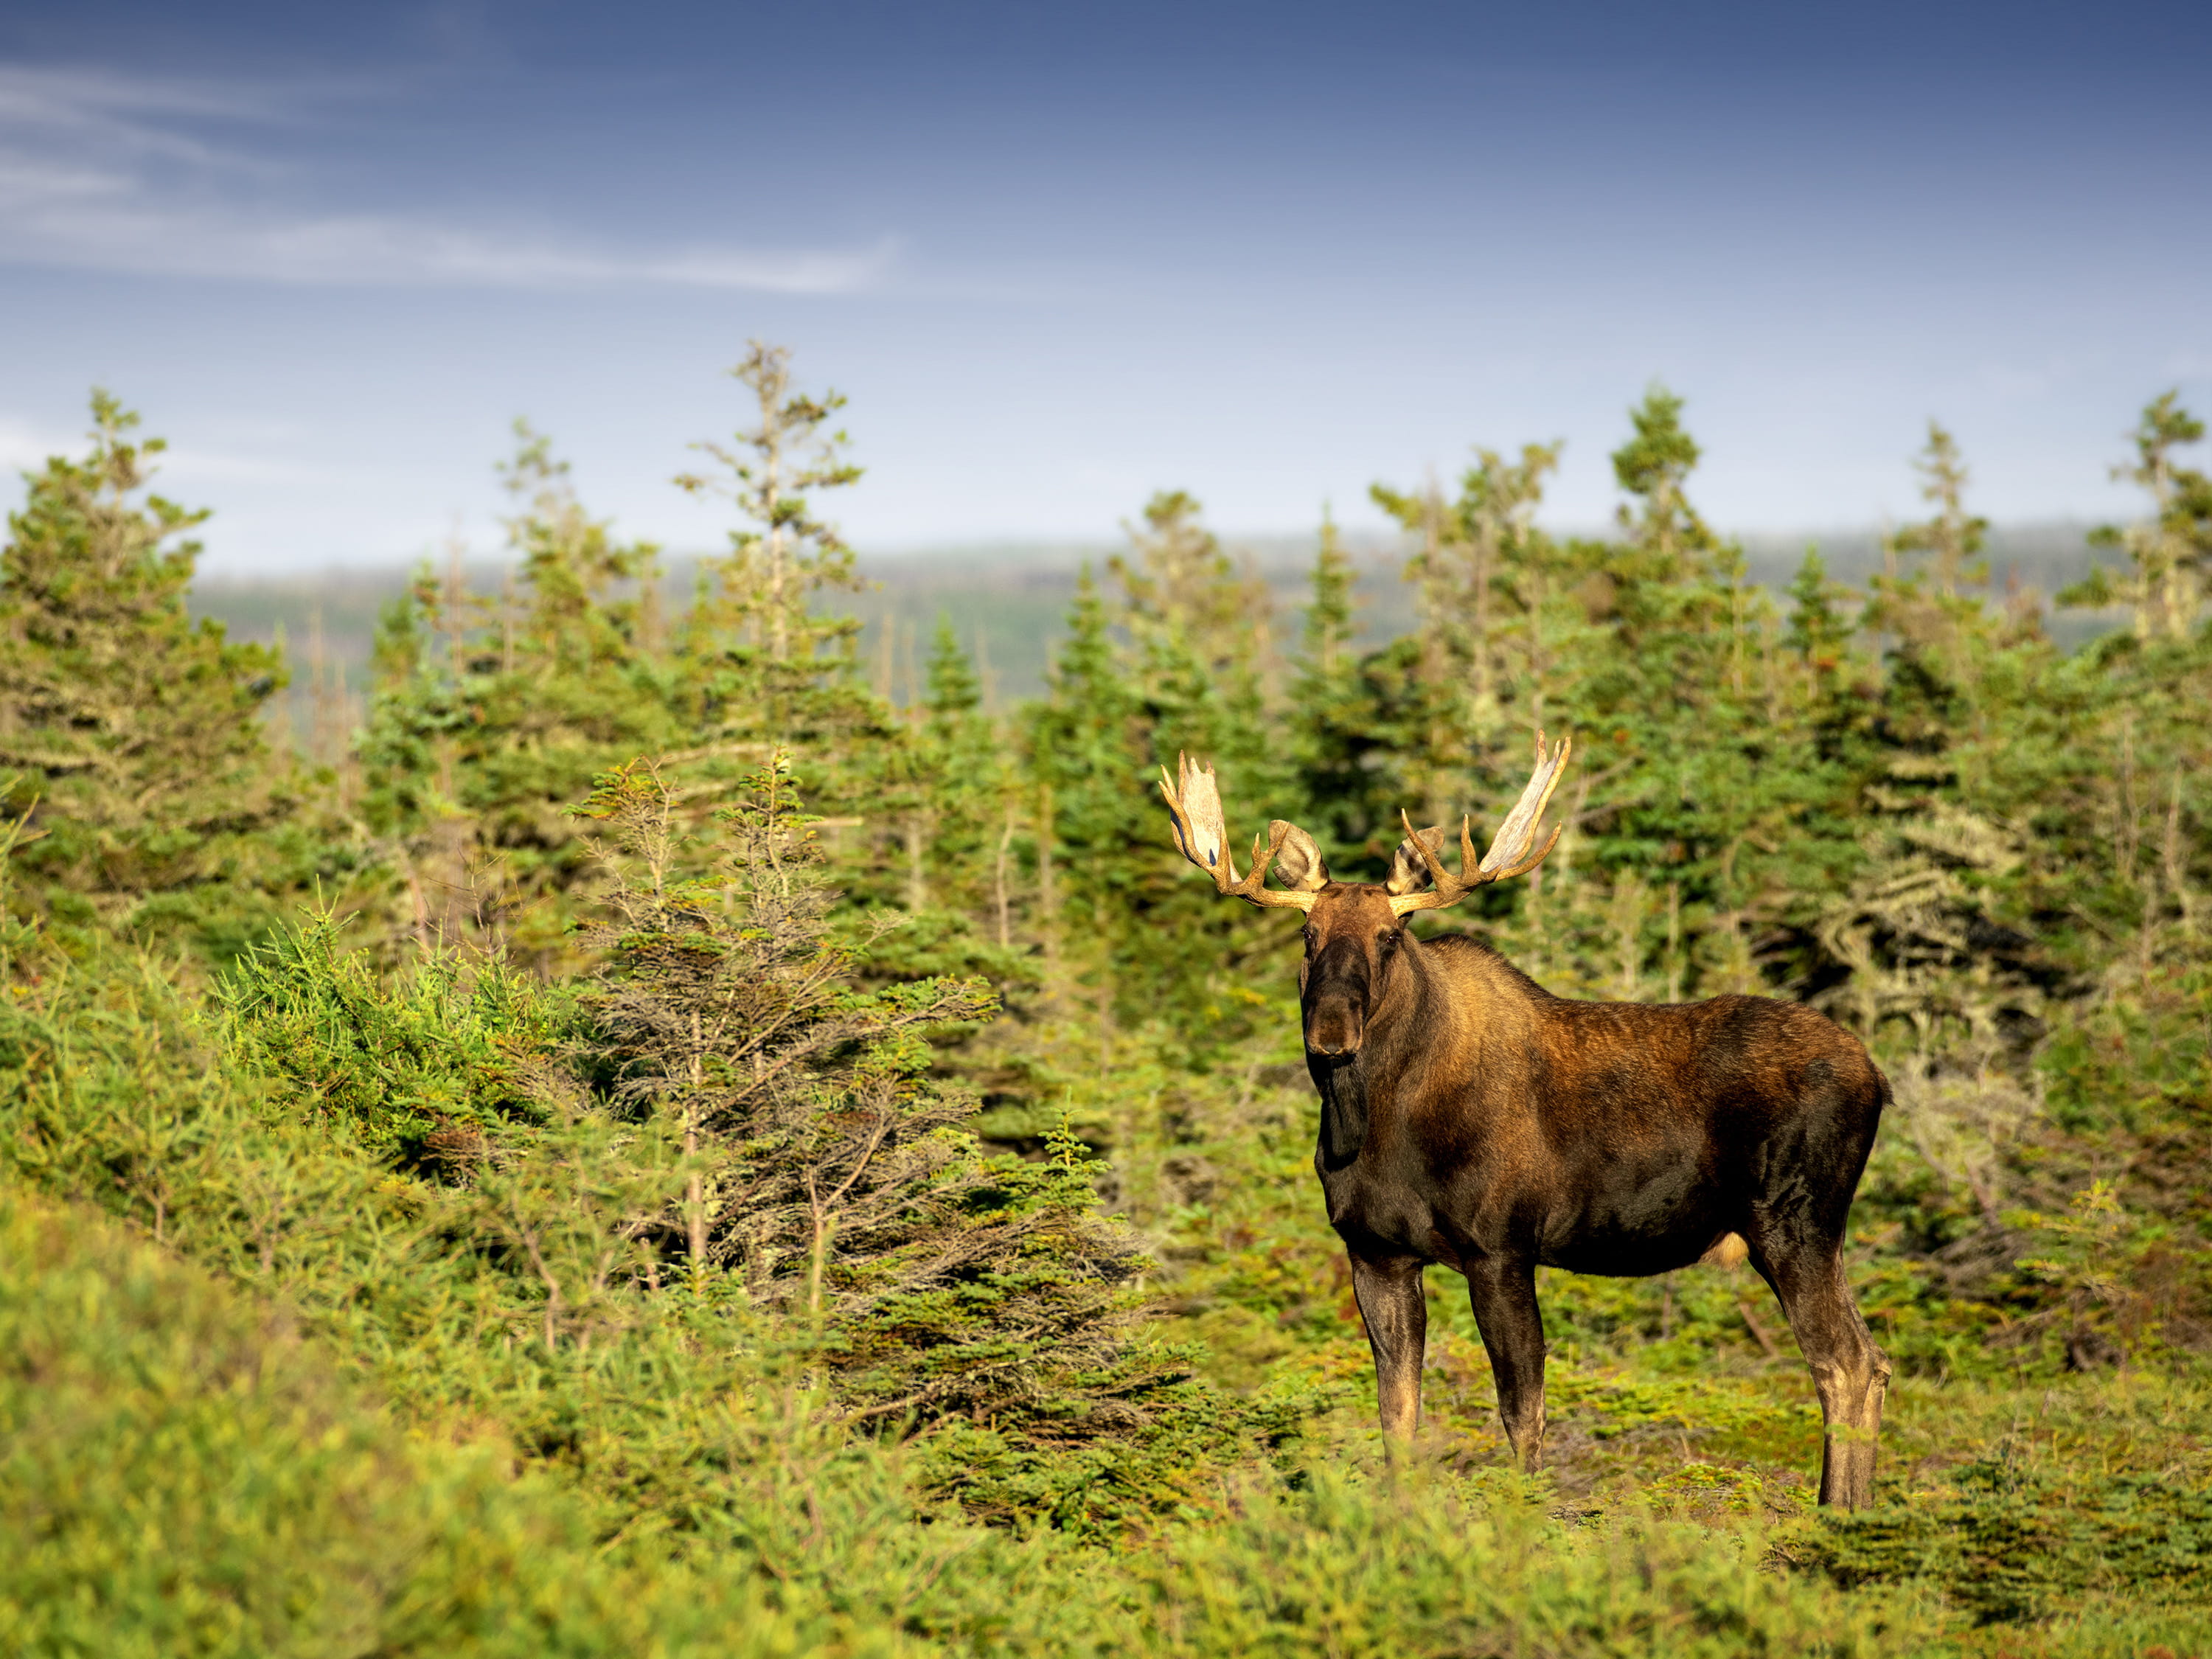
(26, 445)
(108, 172)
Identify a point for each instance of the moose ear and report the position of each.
(1409, 873)
(1299, 859)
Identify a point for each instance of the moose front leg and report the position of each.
(1504, 1292)
(1397, 1317)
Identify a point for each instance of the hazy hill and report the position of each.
(1008, 602)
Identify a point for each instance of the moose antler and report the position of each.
(1509, 854)
(1195, 803)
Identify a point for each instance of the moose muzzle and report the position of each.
(1337, 980)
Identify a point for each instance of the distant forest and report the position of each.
(1013, 598)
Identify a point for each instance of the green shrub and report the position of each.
(1423, 1568)
(2009, 1544)
(425, 1066)
(186, 1476)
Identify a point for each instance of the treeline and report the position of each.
(639, 1047)
(1903, 804)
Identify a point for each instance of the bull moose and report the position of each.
(1469, 1117)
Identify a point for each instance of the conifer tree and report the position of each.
(1950, 539)
(783, 554)
(936, 777)
(1181, 592)
(1332, 727)
(1942, 619)
(1329, 615)
(1087, 744)
(1652, 469)
(965, 765)
(134, 735)
(831, 1176)
(591, 600)
(494, 712)
(1492, 590)
(1818, 632)
(2170, 552)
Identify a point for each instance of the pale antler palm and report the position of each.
(1510, 852)
(1203, 837)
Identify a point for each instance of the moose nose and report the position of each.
(1334, 1027)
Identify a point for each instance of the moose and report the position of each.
(1470, 1117)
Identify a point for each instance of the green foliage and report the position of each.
(783, 554)
(491, 715)
(425, 1067)
(928, 1283)
(132, 735)
(697, 1213)
(2171, 554)
(1343, 1569)
(2008, 1543)
(186, 1477)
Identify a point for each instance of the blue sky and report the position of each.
(1061, 256)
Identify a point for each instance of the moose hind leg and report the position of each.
(1504, 1294)
(1851, 1374)
(1397, 1318)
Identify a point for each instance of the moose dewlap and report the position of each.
(1470, 1118)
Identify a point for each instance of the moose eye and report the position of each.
(1388, 941)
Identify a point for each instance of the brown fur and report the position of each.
(1472, 1119)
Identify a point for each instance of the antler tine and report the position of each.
(1194, 802)
(1531, 862)
(1437, 871)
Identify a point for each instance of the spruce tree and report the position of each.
(492, 712)
(783, 554)
(134, 735)
(1181, 592)
(2170, 552)
(1952, 538)
(592, 601)
(1923, 605)
(964, 762)
(831, 1176)
(1495, 614)
(1652, 469)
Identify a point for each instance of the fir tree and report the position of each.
(2170, 552)
(783, 554)
(134, 734)
(830, 1174)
